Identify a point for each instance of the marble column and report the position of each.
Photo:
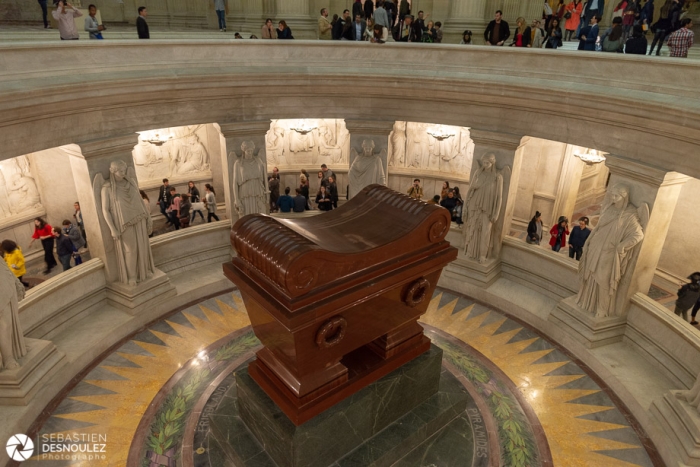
(235, 134)
(377, 131)
(254, 17)
(653, 192)
(568, 186)
(235, 18)
(466, 14)
(299, 18)
(87, 160)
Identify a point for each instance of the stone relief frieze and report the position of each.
(172, 152)
(18, 189)
(428, 147)
(303, 142)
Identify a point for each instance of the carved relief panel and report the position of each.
(433, 148)
(180, 152)
(307, 142)
(18, 188)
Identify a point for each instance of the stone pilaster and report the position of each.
(466, 15)
(649, 187)
(568, 186)
(377, 131)
(299, 18)
(235, 134)
(87, 160)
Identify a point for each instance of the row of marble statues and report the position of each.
(439, 148)
(169, 153)
(307, 141)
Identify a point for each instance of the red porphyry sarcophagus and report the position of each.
(335, 298)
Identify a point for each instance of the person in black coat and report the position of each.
(578, 238)
(357, 8)
(338, 27)
(141, 25)
(534, 229)
(637, 44)
(323, 200)
(449, 203)
(688, 295)
(65, 248)
(490, 35)
(369, 9)
(333, 191)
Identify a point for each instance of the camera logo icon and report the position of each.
(20, 447)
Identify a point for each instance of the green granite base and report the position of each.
(375, 427)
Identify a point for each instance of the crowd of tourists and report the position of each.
(181, 209)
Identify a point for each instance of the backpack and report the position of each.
(612, 46)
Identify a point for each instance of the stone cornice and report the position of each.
(370, 127)
(650, 175)
(244, 129)
(105, 146)
(495, 139)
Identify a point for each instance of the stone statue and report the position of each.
(417, 145)
(195, 157)
(12, 345)
(249, 178)
(398, 145)
(692, 395)
(331, 144)
(609, 251)
(367, 168)
(482, 208)
(275, 144)
(301, 139)
(23, 193)
(128, 221)
(4, 200)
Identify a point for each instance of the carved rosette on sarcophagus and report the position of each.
(335, 299)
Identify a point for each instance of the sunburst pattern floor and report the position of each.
(138, 399)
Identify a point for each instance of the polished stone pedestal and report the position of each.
(375, 427)
(587, 329)
(135, 299)
(43, 360)
(681, 424)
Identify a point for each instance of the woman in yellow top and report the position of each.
(14, 259)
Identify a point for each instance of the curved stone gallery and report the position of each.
(158, 398)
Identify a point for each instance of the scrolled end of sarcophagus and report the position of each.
(335, 298)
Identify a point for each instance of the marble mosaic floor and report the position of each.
(531, 404)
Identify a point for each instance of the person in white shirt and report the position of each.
(66, 22)
(91, 25)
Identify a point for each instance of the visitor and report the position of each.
(321, 181)
(558, 234)
(184, 208)
(664, 26)
(210, 199)
(173, 210)
(629, 14)
(14, 258)
(554, 35)
(45, 13)
(78, 216)
(688, 295)
(66, 21)
(450, 203)
(141, 24)
(268, 30)
(612, 39)
(193, 191)
(283, 31)
(594, 8)
(300, 202)
(324, 26)
(44, 232)
(276, 172)
(438, 32)
(416, 191)
(404, 9)
(537, 35)
(680, 41)
(408, 32)
(91, 25)
(590, 37)
(445, 190)
(435, 200)
(220, 7)
(457, 212)
(273, 185)
(339, 26)
(522, 35)
(578, 238)
(357, 31)
(304, 189)
(497, 32)
(369, 31)
(253, 36)
(647, 15)
(237, 35)
(381, 19)
(64, 248)
(534, 228)
(333, 191)
(391, 12)
(573, 18)
(377, 35)
(637, 44)
(73, 233)
(419, 26)
(466, 38)
(429, 32)
(285, 203)
(560, 11)
(323, 199)
(547, 13)
(368, 9)
(164, 199)
(327, 173)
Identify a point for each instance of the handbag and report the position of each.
(567, 15)
(198, 206)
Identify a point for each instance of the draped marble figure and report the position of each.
(128, 222)
(12, 345)
(249, 189)
(610, 249)
(482, 208)
(366, 169)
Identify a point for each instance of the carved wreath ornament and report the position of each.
(331, 332)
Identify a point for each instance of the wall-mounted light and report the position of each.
(591, 156)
